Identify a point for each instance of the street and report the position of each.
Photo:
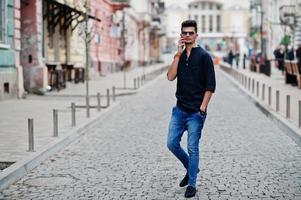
(243, 154)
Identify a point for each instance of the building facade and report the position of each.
(274, 19)
(32, 59)
(214, 18)
(11, 74)
(54, 35)
(38, 38)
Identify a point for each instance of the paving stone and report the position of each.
(244, 155)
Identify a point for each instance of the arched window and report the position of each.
(218, 23)
(196, 17)
(203, 23)
(210, 23)
(208, 15)
(210, 6)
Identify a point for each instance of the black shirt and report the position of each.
(195, 76)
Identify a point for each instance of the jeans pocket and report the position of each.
(203, 115)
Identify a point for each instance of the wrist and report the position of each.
(203, 108)
(178, 54)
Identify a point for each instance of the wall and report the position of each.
(8, 72)
(31, 45)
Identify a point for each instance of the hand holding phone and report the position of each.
(181, 45)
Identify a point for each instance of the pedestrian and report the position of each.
(244, 60)
(290, 53)
(298, 56)
(231, 57)
(276, 53)
(194, 70)
(237, 56)
(279, 56)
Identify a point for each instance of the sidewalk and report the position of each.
(257, 86)
(14, 113)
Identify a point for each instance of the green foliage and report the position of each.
(286, 40)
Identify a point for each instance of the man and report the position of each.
(231, 56)
(298, 56)
(194, 70)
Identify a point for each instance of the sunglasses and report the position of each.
(187, 33)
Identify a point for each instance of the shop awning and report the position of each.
(63, 14)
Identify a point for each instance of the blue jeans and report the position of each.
(193, 123)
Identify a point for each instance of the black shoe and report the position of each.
(184, 181)
(190, 192)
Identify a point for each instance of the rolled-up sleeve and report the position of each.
(209, 73)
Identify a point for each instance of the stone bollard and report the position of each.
(263, 91)
(277, 100)
(270, 95)
(55, 123)
(134, 83)
(288, 106)
(108, 97)
(30, 135)
(299, 113)
(138, 82)
(73, 110)
(257, 88)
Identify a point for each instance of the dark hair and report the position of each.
(189, 23)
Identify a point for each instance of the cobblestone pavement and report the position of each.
(15, 112)
(243, 155)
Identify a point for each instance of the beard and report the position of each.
(189, 42)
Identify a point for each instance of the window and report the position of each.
(210, 6)
(218, 23)
(2, 21)
(196, 18)
(218, 7)
(189, 17)
(6, 88)
(203, 23)
(203, 5)
(210, 23)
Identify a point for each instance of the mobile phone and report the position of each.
(183, 44)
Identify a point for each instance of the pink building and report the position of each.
(31, 45)
(106, 50)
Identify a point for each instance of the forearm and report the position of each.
(172, 71)
(206, 100)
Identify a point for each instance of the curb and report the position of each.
(19, 169)
(293, 132)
